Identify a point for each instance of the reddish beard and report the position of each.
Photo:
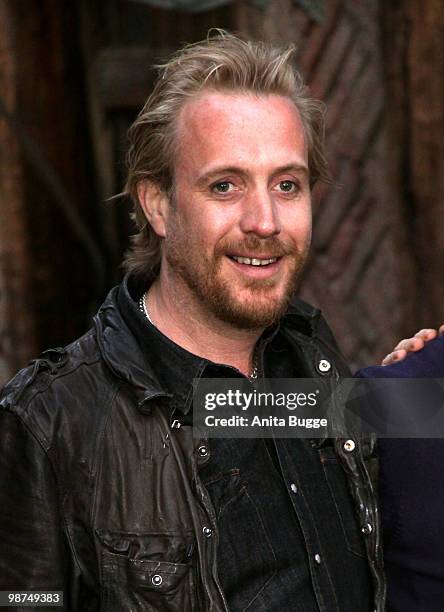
(204, 279)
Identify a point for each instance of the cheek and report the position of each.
(300, 226)
(209, 229)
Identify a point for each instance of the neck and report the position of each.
(178, 315)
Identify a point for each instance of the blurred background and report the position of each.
(73, 75)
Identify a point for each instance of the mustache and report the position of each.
(261, 247)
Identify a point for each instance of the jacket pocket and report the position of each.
(243, 542)
(343, 501)
(147, 572)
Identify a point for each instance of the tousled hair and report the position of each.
(223, 62)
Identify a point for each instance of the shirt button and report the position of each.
(324, 366)
(317, 559)
(207, 531)
(202, 451)
(349, 446)
(293, 487)
(366, 529)
(157, 580)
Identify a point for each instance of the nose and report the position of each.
(260, 215)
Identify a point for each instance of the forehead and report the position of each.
(240, 128)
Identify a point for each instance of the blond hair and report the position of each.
(222, 62)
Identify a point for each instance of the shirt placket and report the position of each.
(318, 566)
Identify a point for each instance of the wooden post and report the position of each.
(17, 342)
(413, 35)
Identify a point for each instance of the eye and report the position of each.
(288, 186)
(222, 187)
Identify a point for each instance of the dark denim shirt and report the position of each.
(288, 538)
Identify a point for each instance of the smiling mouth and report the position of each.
(254, 261)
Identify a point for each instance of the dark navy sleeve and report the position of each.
(412, 499)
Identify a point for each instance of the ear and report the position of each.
(155, 205)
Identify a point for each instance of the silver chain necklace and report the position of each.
(144, 310)
(255, 371)
(143, 307)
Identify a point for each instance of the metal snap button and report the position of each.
(317, 558)
(366, 529)
(324, 366)
(202, 451)
(207, 531)
(157, 580)
(293, 487)
(349, 446)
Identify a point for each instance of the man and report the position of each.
(105, 493)
(411, 492)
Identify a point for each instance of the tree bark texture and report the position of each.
(414, 53)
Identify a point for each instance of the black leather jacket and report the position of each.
(101, 498)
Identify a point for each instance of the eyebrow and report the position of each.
(216, 172)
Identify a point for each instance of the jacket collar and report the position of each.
(302, 318)
(121, 351)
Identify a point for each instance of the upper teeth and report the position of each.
(254, 262)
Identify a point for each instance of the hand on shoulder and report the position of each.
(412, 344)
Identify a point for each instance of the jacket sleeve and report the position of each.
(32, 550)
